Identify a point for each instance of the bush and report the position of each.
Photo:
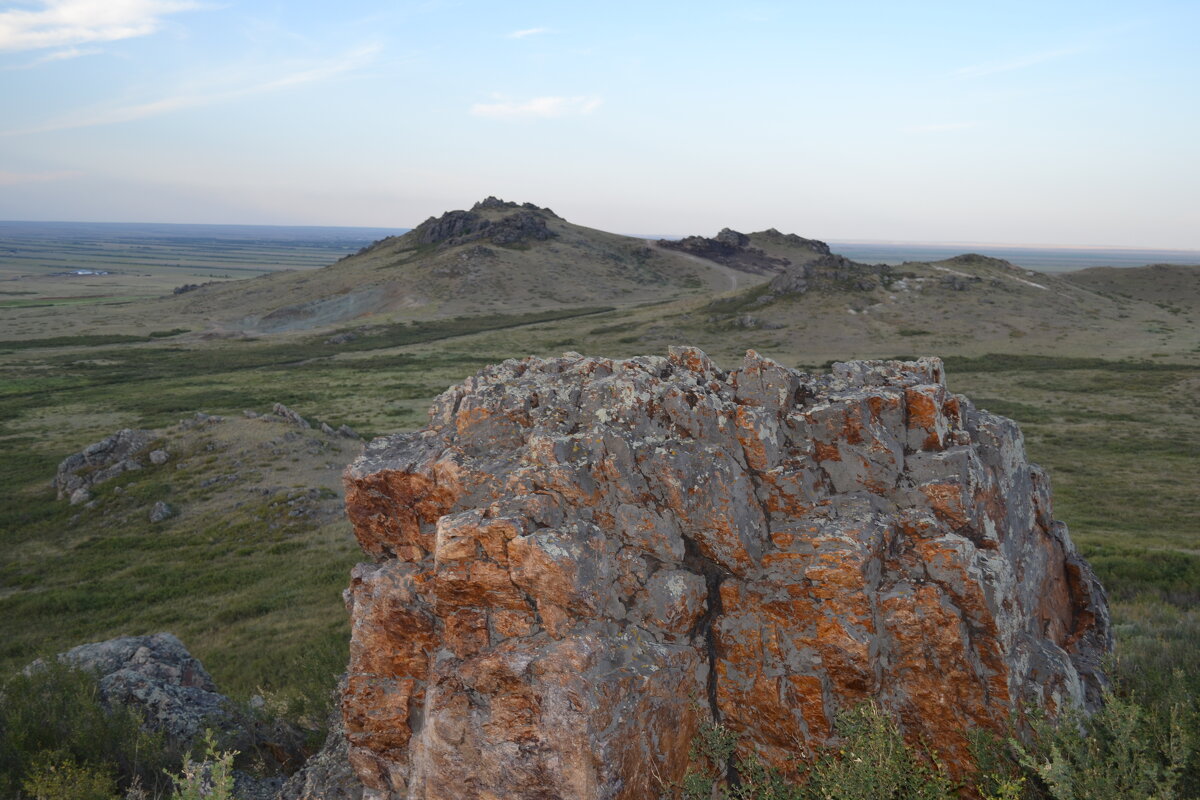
(875, 762)
(55, 734)
(211, 778)
(1122, 752)
(56, 776)
(872, 763)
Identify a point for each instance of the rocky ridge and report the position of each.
(581, 560)
(734, 250)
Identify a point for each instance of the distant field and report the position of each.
(1044, 259)
(42, 262)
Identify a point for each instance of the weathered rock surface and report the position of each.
(831, 271)
(731, 248)
(173, 692)
(100, 462)
(579, 560)
(526, 223)
(158, 676)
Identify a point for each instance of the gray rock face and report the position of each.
(100, 462)
(157, 675)
(526, 223)
(731, 248)
(579, 560)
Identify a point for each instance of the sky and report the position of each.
(1072, 123)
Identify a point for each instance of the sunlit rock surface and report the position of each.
(580, 560)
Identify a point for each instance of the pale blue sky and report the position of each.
(1039, 122)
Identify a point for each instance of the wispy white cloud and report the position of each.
(184, 100)
(537, 107)
(14, 178)
(527, 32)
(65, 23)
(994, 67)
(57, 55)
(941, 127)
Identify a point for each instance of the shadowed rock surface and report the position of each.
(158, 676)
(832, 271)
(733, 249)
(580, 560)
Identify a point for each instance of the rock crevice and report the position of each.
(580, 560)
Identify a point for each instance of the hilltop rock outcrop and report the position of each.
(731, 248)
(526, 223)
(580, 560)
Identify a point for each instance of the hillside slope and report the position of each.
(495, 257)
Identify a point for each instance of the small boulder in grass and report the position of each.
(161, 511)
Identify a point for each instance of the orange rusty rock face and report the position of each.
(583, 560)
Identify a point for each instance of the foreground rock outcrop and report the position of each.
(580, 560)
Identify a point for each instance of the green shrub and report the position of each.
(875, 762)
(210, 778)
(1119, 753)
(54, 775)
(872, 762)
(55, 732)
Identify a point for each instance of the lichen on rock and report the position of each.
(580, 560)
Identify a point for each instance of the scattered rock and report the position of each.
(328, 431)
(159, 457)
(580, 560)
(280, 410)
(348, 432)
(100, 462)
(161, 511)
(832, 272)
(80, 495)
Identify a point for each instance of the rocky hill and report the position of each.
(581, 561)
(497, 256)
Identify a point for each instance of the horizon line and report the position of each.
(897, 242)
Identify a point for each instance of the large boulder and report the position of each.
(158, 676)
(580, 561)
(173, 692)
